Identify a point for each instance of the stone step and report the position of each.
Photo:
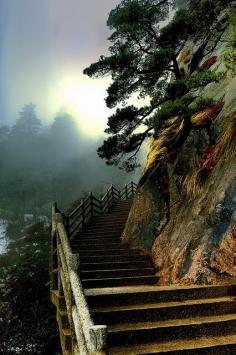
(100, 231)
(121, 205)
(116, 224)
(109, 223)
(120, 281)
(120, 209)
(110, 217)
(133, 334)
(121, 296)
(97, 240)
(123, 202)
(112, 258)
(107, 273)
(211, 345)
(115, 265)
(101, 234)
(104, 252)
(96, 246)
(109, 228)
(164, 311)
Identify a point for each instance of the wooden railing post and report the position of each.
(112, 194)
(109, 195)
(91, 203)
(132, 187)
(67, 223)
(83, 212)
(101, 206)
(98, 338)
(126, 191)
(88, 337)
(119, 193)
(60, 286)
(53, 259)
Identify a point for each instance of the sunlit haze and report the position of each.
(83, 99)
(44, 65)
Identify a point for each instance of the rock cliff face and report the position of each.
(184, 215)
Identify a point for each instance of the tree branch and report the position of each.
(141, 142)
(176, 67)
(144, 50)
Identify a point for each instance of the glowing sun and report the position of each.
(83, 98)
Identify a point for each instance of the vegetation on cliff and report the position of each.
(184, 66)
(145, 59)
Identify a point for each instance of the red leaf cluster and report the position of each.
(209, 161)
(210, 156)
(215, 110)
(208, 63)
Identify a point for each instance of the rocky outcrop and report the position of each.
(184, 215)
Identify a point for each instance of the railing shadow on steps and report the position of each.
(82, 336)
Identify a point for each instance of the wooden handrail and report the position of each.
(93, 205)
(88, 337)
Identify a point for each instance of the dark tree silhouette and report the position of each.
(27, 124)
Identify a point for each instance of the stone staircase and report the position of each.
(142, 318)
(104, 260)
(115, 292)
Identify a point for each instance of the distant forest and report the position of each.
(41, 164)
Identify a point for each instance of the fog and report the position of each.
(48, 154)
(41, 164)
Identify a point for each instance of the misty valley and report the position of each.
(39, 164)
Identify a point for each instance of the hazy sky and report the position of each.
(45, 44)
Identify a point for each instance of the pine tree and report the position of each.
(143, 59)
(27, 124)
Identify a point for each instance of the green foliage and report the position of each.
(182, 3)
(28, 323)
(232, 33)
(143, 60)
(205, 12)
(169, 110)
(118, 144)
(229, 55)
(200, 104)
(125, 119)
(229, 59)
(141, 52)
(178, 29)
(196, 80)
(129, 16)
(185, 106)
